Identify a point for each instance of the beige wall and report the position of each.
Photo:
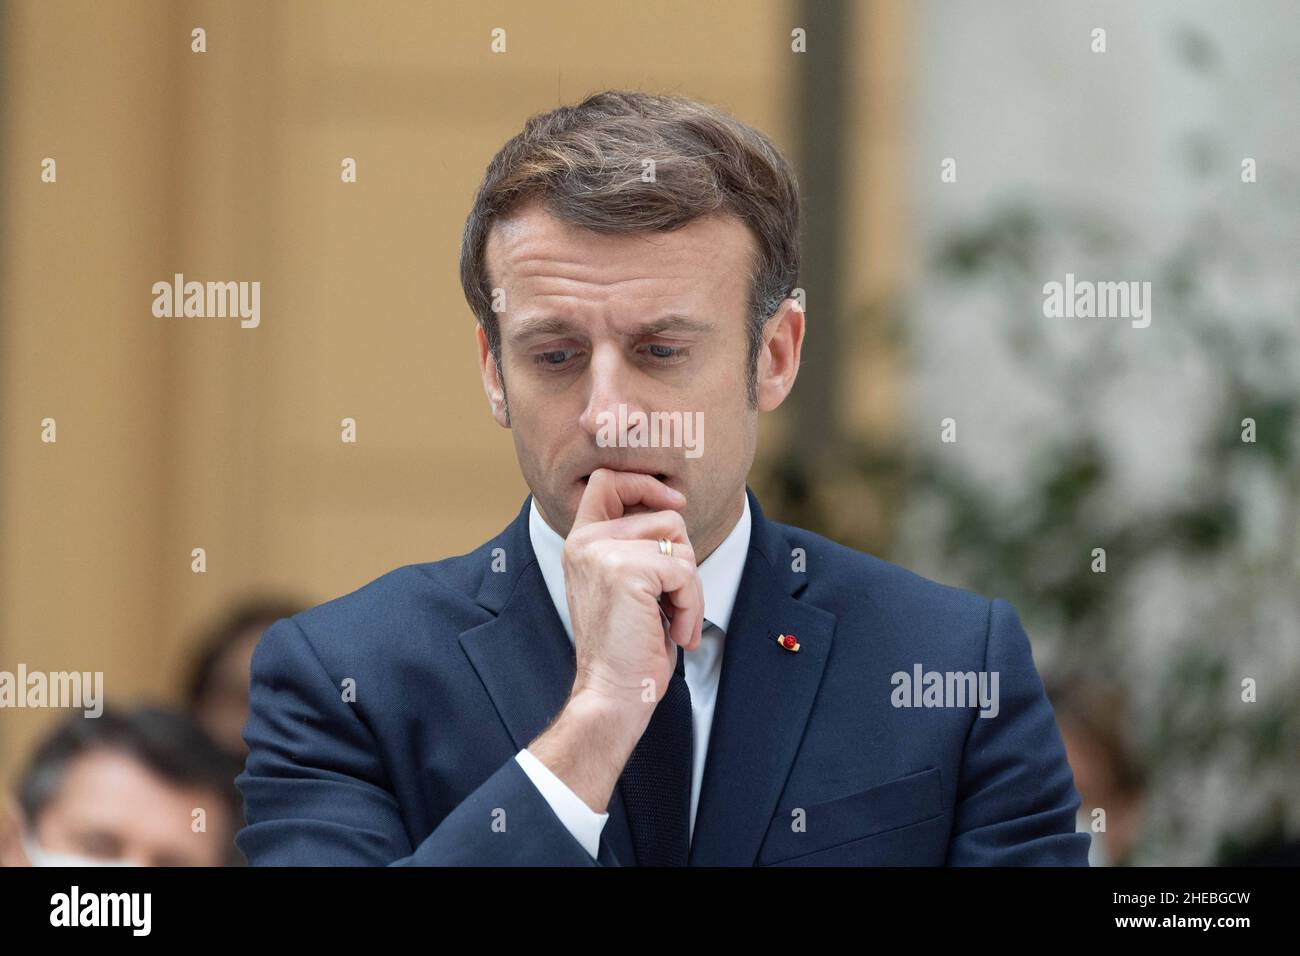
(183, 433)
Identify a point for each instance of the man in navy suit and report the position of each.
(641, 668)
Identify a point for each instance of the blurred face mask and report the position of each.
(37, 855)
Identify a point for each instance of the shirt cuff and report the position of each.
(579, 819)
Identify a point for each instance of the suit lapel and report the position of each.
(525, 659)
(765, 695)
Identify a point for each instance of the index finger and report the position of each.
(610, 493)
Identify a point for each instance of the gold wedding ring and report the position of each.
(665, 547)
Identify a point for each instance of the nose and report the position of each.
(609, 385)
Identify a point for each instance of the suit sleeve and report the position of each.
(316, 792)
(579, 819)
(1016, 799)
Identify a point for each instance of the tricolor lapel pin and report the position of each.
(788, 641)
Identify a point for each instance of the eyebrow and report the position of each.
(537, 327)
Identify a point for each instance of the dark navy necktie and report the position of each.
(656, 781)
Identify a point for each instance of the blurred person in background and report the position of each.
(1107, 773)
(124, 789)
(218, 681)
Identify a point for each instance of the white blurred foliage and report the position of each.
(1146, 139)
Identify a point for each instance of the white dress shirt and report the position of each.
(720, 575)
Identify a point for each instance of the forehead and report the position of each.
(543, 261)
(108, 790)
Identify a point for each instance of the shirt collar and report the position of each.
(719, 574)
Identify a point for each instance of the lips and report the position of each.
(658, 475)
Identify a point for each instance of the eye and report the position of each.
(556, 357)
(667, 354)
(99, 845)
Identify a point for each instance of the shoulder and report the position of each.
(836, 568)
(890, 603)
(402, 612)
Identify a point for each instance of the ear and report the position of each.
(778, 358)
(11, 847)
(492, 384)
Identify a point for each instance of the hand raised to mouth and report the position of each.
(616, 577)
(631, 606)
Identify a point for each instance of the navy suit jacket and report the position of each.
(383, 725)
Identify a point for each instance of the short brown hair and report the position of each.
(584, 163)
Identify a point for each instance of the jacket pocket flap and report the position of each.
(886, 806)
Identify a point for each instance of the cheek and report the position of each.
(724, 416)
(541, 437)
(723, 381)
